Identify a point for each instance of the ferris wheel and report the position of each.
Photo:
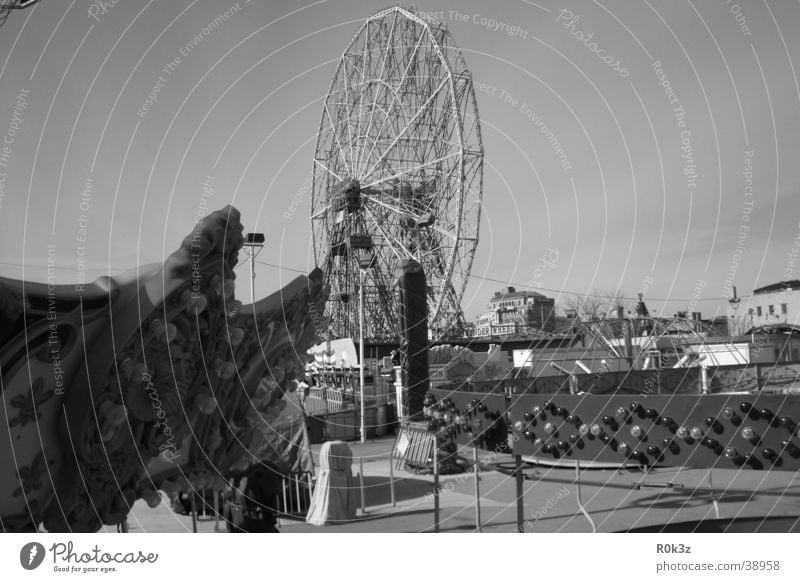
(398, 174)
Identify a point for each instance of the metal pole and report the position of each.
(477, 489)
(435, 485)
(711, 493)
(194, 513)
(252, 254)
(361, 348)
(361, 484)
(216, 509)
(391, 479)
(520, 505)
(578, 495)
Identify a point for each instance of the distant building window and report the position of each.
(772, 310)
(758, 311)
(783, 308)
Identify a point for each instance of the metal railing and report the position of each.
(322, 401)
(296, 492)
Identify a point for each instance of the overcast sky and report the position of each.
(642, 198)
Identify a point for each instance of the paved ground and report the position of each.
(614, 500)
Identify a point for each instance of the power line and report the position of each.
(301, 271)
(584, 294)
(482, 277)
(559, 291)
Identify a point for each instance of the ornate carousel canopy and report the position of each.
(154, 379)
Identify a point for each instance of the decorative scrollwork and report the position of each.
(30, 477)
(28, 403)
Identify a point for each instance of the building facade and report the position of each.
(778, 303)
(516, 312)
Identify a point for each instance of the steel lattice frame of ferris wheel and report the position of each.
(398, 174)
(6, 6)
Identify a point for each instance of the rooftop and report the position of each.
(512, 293)
(793, 284)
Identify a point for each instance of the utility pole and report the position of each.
(253, 243)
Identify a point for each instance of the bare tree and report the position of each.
(596, 304)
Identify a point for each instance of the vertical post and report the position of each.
(252, 276)
(711, 493)
(216, 509)
(361, 348)
(520, 505)
(435, 485)
(361, 484)
(398, 391)
(253, 243)
(194, 512)
(296, 479)
(477, 489)
(578, 495)
(704, 377)
(283, 490)
(391, 479)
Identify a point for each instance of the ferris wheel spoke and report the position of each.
(410, 170)
(409, 124)
(348, 111)
(401, 211)
(361, 94)
(321, 212)
(336, 137)
(391, 241)
(379, 79)
(399, 89)
(327, 169)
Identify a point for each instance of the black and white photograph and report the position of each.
(347, 267)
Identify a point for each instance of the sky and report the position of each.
(678, 126)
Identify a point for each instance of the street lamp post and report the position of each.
(253, 243)
(361, 350)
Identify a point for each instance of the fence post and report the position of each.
(216, 509)
(194, 512)
(435, 485)
(361, 484)
(391, 479)
(477, 489)
(578, 495)
(520, 504)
